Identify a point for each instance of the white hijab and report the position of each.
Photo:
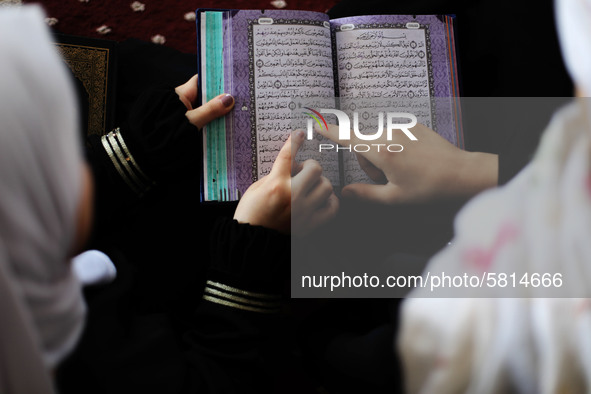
(573, 20)
(41, 306)
(539, 223)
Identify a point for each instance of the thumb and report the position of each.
(383, 194)
(213, 109)
(187, 92)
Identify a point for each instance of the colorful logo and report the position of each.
(317, 115)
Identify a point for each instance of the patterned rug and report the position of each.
(167, 22)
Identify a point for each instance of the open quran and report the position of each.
(282, 64)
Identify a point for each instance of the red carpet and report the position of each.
(161, 20)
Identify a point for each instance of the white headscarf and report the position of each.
(537, 224)
(529, 240)
(41, 306)
(573, 20)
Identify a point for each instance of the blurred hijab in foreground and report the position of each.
(41, 306)
(573, 21)
(533, 333)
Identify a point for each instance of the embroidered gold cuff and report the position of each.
(124, 163)
(241, 299)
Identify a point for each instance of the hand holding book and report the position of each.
(202, 115)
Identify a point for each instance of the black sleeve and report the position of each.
(154, 146)
(236, 343)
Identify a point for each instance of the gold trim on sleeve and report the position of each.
(119, 138)
(233, 297)
(124, 162)
(238, 306)
(243, 292)
(243, 300)
(107, 146)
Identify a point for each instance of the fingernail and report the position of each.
(227, 100)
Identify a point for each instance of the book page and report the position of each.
(266, 59)
(291, 61)
(381, 68)
(396, 63)
(386, 63)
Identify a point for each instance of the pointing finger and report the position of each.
(282, 164)
(296, 144)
